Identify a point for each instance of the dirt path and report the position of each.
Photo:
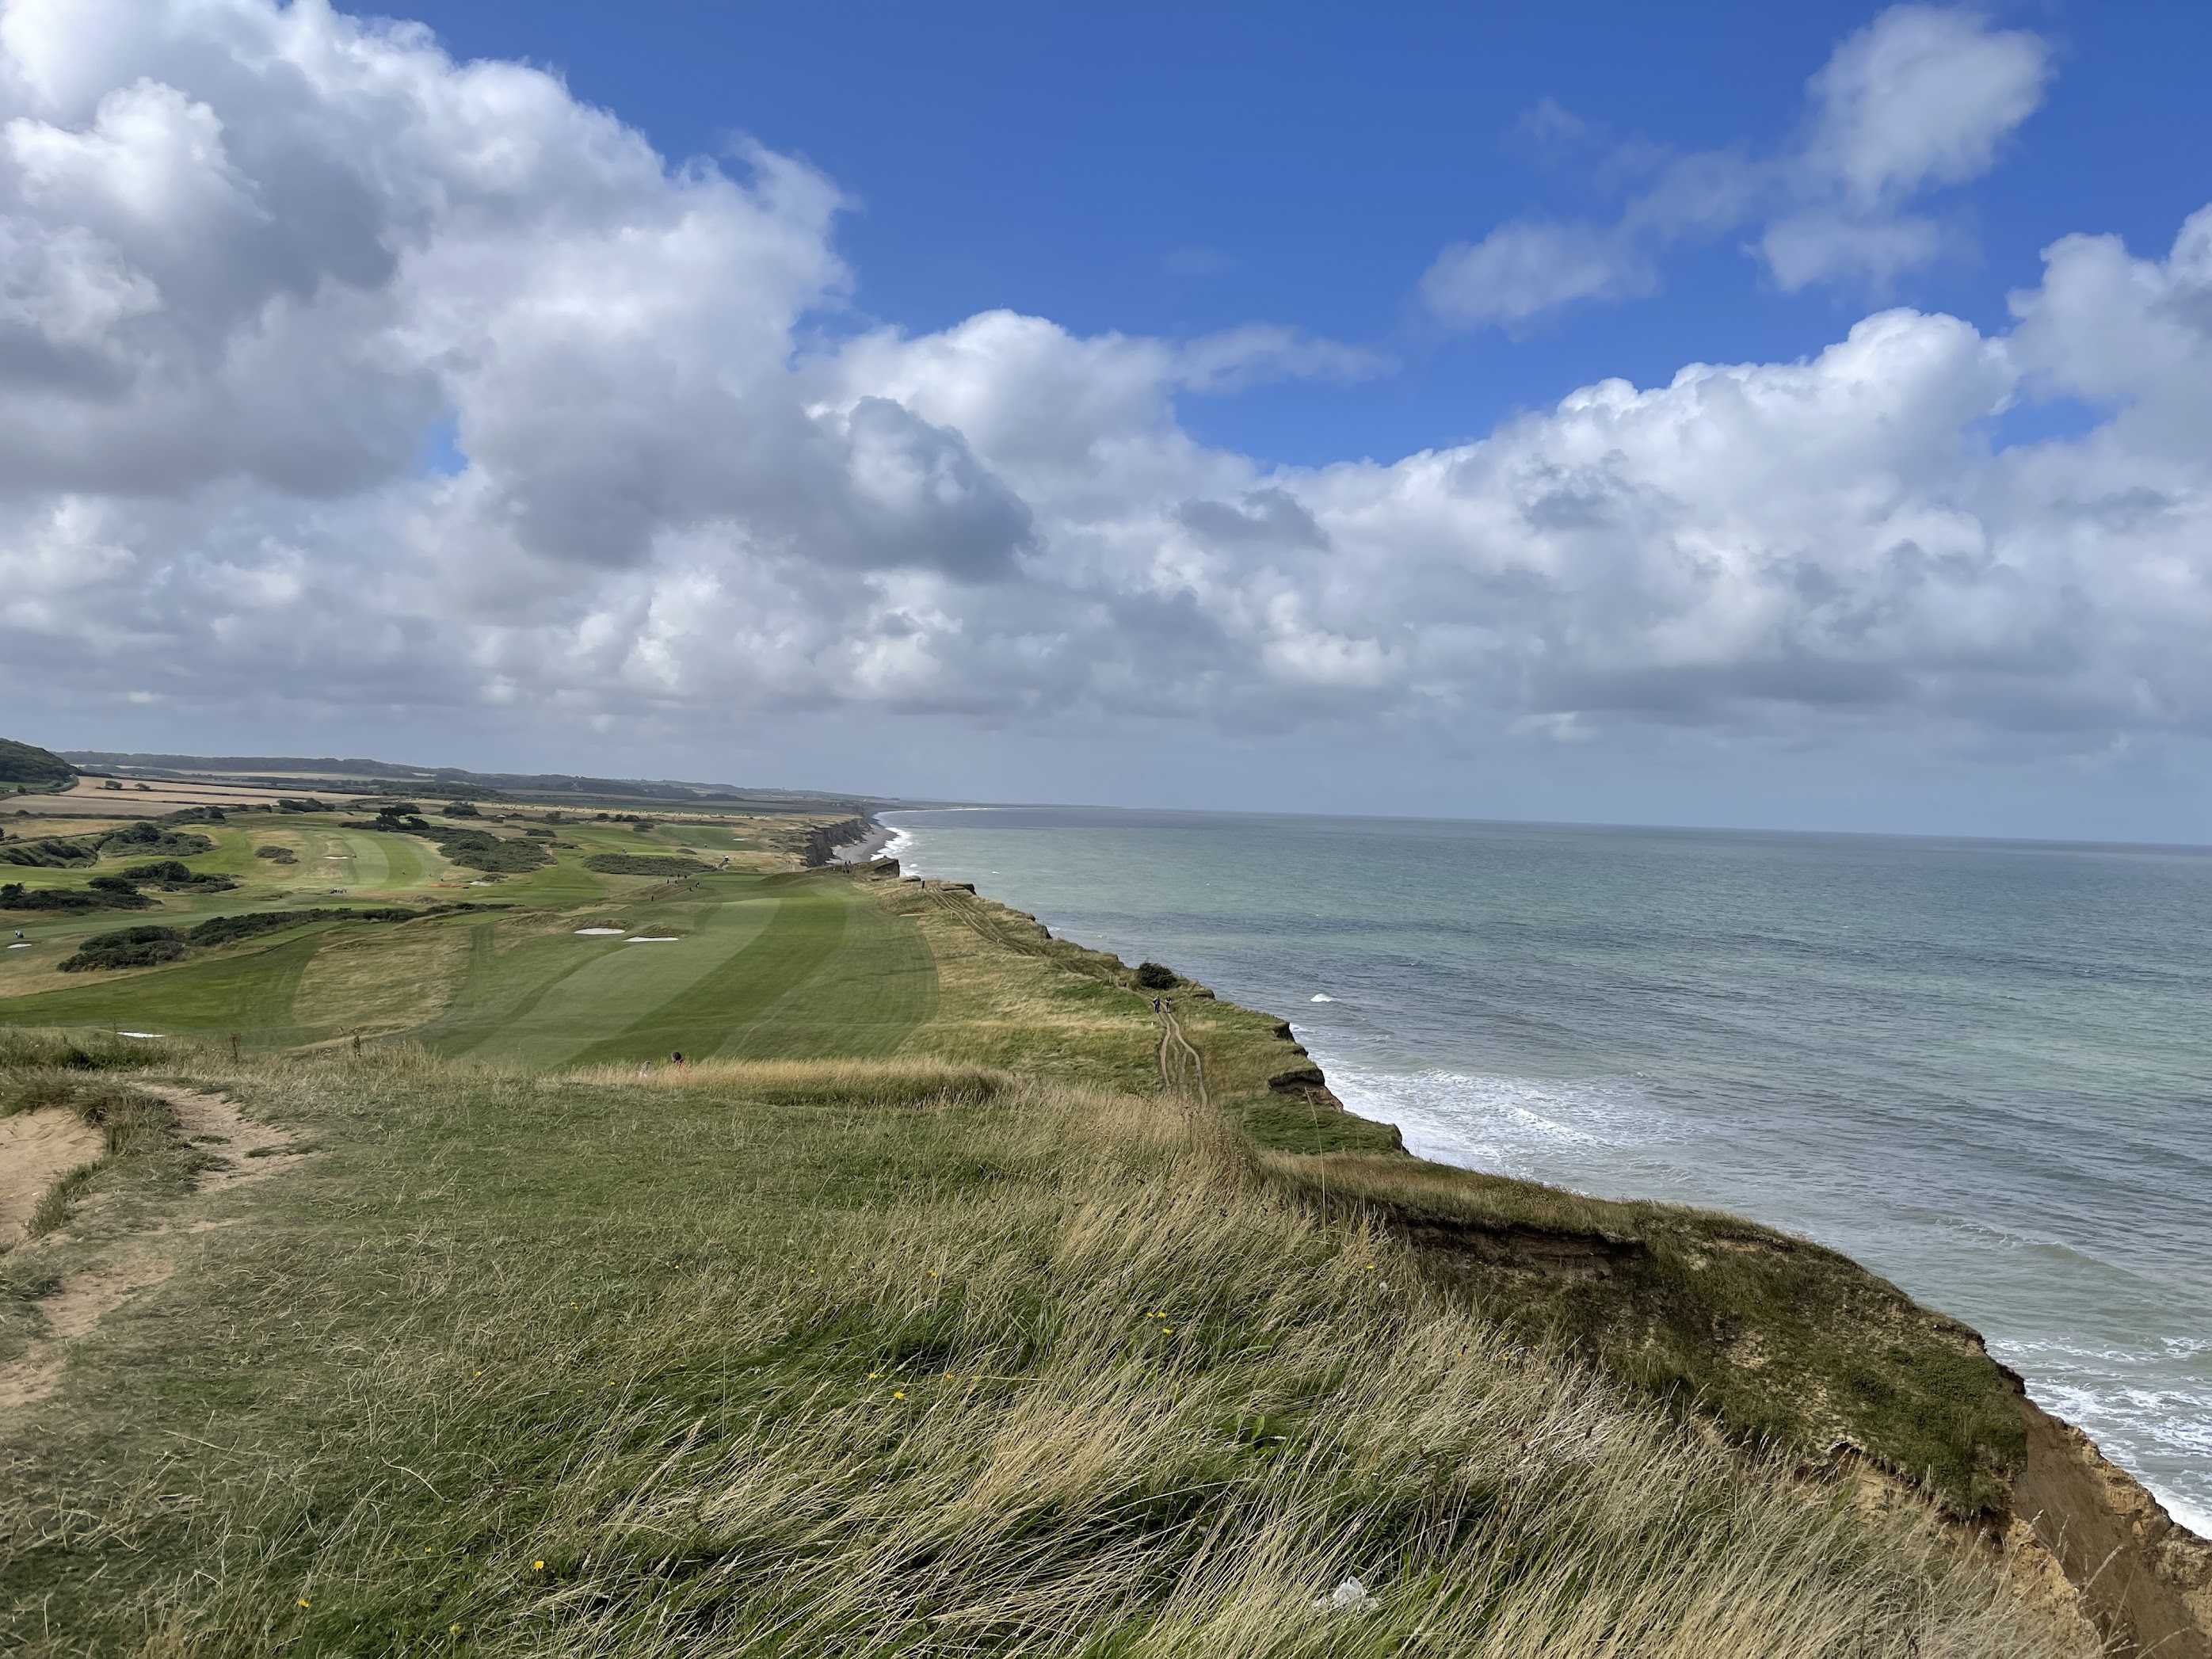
(249, 1151)
(37, 1149)
(1181, 1064)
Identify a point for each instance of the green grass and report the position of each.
(251, 990)
(534, 995)
(866, 1359)
(914, 1319)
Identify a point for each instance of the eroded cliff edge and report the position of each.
(1779, 1344)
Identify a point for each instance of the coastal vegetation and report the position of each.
(642, 864)
(919, 1354)
(950, 1299)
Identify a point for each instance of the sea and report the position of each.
(1982, 1069)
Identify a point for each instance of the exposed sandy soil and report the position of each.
(36, 1149)
(216, 1127)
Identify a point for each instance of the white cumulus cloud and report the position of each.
(1920, 98)
(261, 261)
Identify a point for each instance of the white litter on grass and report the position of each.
(144, 1037)
(24, 945)
(599, 930)
(1350, 1596)
(651, 939)
(1321, 996)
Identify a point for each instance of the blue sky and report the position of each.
(1716, 413)
(1176, 169)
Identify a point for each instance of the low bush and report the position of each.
(1154, 977)
(222, 930)
(146, 836)
(299, 803)
(476, 849)
(130, 947)
(172, 877)
(642, 864)
(75, 901)
(51, 853)
(276, 855)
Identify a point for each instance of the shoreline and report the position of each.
(864, 850)
(2139, 1573)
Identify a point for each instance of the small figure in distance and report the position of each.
(677, 1060)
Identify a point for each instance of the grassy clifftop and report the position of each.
(950, 1308)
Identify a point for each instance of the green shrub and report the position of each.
(299, 803)
(51, 853)
(75, 901)
(130, 947)
(146, 836)
(276, 855)
(642, 864)
(174, 877)
(1154, 977)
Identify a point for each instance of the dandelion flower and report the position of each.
(452, 1630)
(874, 1375)
(303, 1600)
(537, 1566)
(898, 1394)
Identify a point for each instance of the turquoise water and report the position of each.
(1983, 1068)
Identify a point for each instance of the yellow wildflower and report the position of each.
(303, 1601)
(537, 1566)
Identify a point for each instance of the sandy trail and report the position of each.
(211, 1122)
(36, 1149)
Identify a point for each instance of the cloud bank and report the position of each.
(1921, 98)
(335, 371)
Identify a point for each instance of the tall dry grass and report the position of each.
(1070, 1384)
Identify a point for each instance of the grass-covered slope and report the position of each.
(27, 766)
(851, 1357)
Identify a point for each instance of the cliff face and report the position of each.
(822, 840)
(1783, 1342)
(2145, 1582)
